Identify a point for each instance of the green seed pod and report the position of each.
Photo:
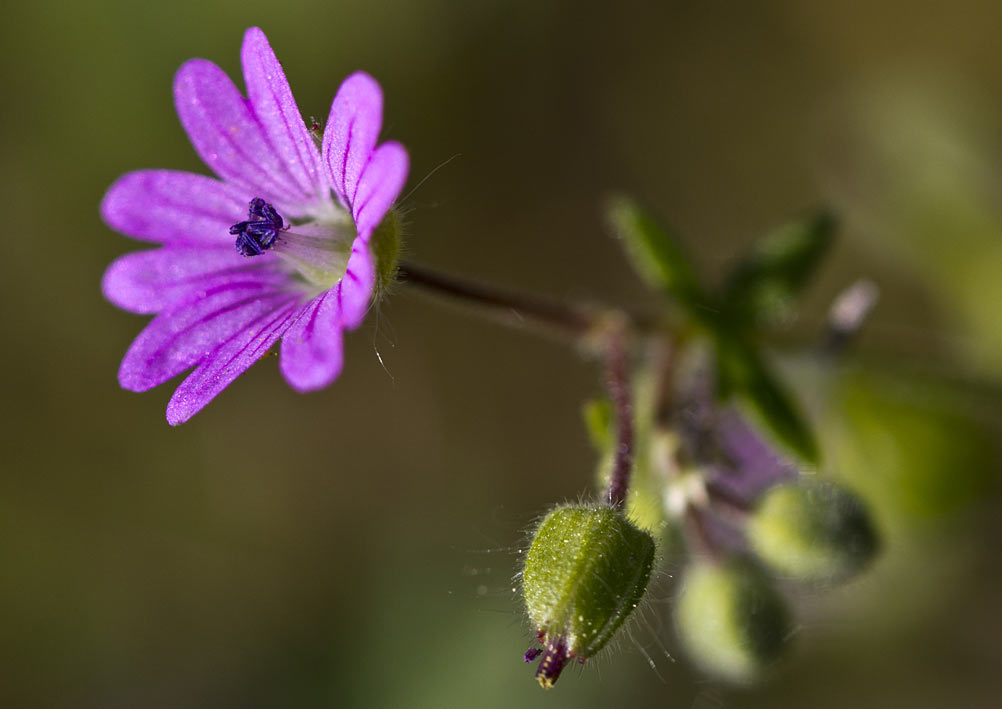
(731, 619)
(585, 572)
(812, 531)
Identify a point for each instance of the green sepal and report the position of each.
(586, 570)
(764, 284)
(731, 619)
(744, 377)
(385, 247)
(812, 531)
(655, 254)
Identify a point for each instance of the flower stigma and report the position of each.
(317, 251)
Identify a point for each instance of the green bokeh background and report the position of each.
(355, 547)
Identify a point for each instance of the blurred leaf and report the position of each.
(912, 445)
(914, 172)
(744, 376)
(765, 282)
(597, 415)
(655, 253)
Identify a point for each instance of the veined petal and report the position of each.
(354, 291)
(278, 114)
(312, 352)
(190, 330)
(172, 207)
(148, 281)
(381, 182)
(230, 139)
(229, 361)
(351, 133)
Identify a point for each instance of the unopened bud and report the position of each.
(813, 531)
(585, 572)
(731, 619)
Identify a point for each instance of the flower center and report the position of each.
(316, 251)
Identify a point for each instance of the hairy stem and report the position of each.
(573, 320)
(576, 320)
(618, 377)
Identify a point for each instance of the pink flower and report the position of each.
(300, 269)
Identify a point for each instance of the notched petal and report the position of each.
(276, 110)
(353, 126)
(188, 333)
(148, 281)
(354, 292)
(172, 207)
(229, 138)
(312, 352)
(229, 361)
(380, 186)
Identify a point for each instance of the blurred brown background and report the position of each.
(355, 547)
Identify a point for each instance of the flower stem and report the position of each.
(609, 325)
(574, 320)
(617, 372)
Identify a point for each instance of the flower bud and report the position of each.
(731, 619)
(812, 531)
(585, 572)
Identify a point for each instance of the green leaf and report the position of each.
(933, 441)
(597, 415)
(655, 253)
(764, 284)
(744, 376)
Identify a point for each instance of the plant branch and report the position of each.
(618, 378)
(573, 320)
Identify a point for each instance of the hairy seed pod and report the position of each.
(586, 570)
(812, 531)
(731, 619)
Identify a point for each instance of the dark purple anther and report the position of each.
(531, 654)
(262, 211)
(260, 232)
(554, 660)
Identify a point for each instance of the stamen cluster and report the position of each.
(259, 233)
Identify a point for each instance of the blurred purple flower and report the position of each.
(302, 270)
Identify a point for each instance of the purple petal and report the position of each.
(354, 291)
(188, 332)
(229, 361)
(277, 112)
(148, 281)
(379, 187)
(754, 465)
(350, 136)
(230, 139)
(173, 207)
(312, 353)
